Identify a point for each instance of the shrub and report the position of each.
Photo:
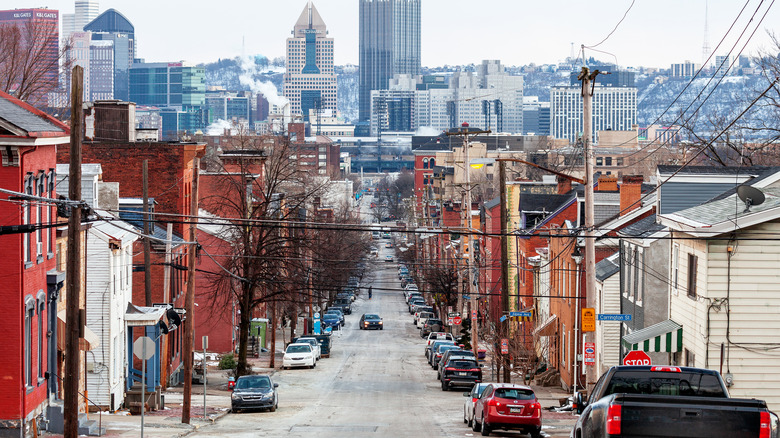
(227, 362)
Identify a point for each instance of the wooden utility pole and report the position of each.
(272, 328)
(504, 326)
(189, 327)
(147, 241)
(587, 79)
(72, 321)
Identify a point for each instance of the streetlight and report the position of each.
(576, 255)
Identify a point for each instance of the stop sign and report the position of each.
(457, 320)
(636, 357)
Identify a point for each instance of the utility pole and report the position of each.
(588, 79)
(189, 301)
(464, 131)
(147, 241)
(504, 326)
(73, 290)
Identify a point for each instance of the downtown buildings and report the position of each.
(309, 79)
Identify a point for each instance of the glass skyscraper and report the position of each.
(113, 26)
(389, 45)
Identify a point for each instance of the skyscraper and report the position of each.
(614, 109)
(309, 79)
(113, 26)
(86, 11)
(389, 45)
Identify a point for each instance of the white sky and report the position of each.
(655, 33)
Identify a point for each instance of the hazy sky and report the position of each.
(655, 33)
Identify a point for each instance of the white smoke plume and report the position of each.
(427, 131)
(248, 71)
(218, 127)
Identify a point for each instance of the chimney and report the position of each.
(564, 185)
(113, 120)
(607, 183)
(630, 192)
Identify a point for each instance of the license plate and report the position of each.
(463, 374)
(515, 409)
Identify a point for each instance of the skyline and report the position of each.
(674, 30)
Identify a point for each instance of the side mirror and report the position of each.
(580, 403)
(466, 394)
(276, 385)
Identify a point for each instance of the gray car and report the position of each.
(254, 392)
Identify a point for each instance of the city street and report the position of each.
(376, 383)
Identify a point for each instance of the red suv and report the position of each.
(508, 406)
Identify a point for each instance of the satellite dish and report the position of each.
(163, 328)
(173, 318)
(750, 196)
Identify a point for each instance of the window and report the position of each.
(608, 161)
(432, 162)
(39, 217)
(425, 163)
(27, 218)
(563, 345)
(599, 161)
(41, 309)
(692, 268)
(690, 358)
(29, 314)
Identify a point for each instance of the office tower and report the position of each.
(389, 42)
(86, 11)
(101, 70)
(614, 109)
(113, 26)
(685, 70)
(309, 79)
(46, 25)
(536, 116)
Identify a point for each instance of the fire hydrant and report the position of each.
(231, 383)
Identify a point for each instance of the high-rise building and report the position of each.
(167, 84)
(389, 39)
(113, 26)
(101, 70)
(614, 109)
(684, 70)
(86, 11)
(309, 79)
(46, 25)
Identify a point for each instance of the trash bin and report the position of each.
(258, 328)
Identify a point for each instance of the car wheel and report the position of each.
(314, 364)
(444, 386)
(234, 410)
(475, 426)
(485, 428)
(465, 421)
(471, 421)
(273, 408)
(536, 433)
(381, 328)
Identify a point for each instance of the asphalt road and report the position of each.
(376, 383)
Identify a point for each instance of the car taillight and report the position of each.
(451, 369)
(765, 428)
(666, 369)
(613, 419)
(537, 409)
(473, 369)
(493, 402)
(474, 399)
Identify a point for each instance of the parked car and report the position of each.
(323, 340)
(334, 311)
(388, 258)
(345, 304)
(509, 407)
(450, 354)
(299, 355)
(422, 315)
(439, 352)
(431, 325)
(370, 321)
(460, 372)
(471, 399)
(254, 392)
(416, 302)
(331, 319)
(433, 345)
(439, 336)
(674, 397)
(315, 345)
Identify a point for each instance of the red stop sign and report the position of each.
(636, 357)
(457, 320)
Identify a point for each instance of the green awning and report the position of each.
(666, 336)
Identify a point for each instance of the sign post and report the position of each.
(205, 346)
(637, 357)
(143, 348)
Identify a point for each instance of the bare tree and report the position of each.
(27, 68)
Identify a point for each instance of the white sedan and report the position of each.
(471, 400)
(315, 345)
(299, 355)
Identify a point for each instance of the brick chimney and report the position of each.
(607, 183)
(564, 185)
(630, 192)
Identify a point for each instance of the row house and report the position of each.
(33, 291)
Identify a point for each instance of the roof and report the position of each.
(310, 19)
(23, 120)
(665, 336)
(608, 267)
(142, 316)
(532, 202)
(492, 203)
(724, 215)
(114, 228)
(642, 228)
(763, 176)
(709, 170)
(110, 21)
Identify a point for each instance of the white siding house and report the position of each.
(725, 291)
(109, 289)
(608, 332)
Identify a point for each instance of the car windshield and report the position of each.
(462, 353)
(455, 363)
(371, 317)
(515, 393)
(299, 349)
(253, 382)
(445, 347)
(311, 341)
(432, 321)
(672, 383)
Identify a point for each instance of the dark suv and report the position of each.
(345, 304)
(460, 371)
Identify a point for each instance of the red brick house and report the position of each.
(31, 282)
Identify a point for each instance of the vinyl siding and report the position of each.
(608, 332)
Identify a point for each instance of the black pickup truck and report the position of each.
(668, 401)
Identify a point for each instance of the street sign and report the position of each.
(474, 315)
(614, 317)
(637, 357)
(457, 320)
(588, 319)
(143, 353)
(503, 318)
(520, 314)
(590, 353)
(504, 346)
(466, 297)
